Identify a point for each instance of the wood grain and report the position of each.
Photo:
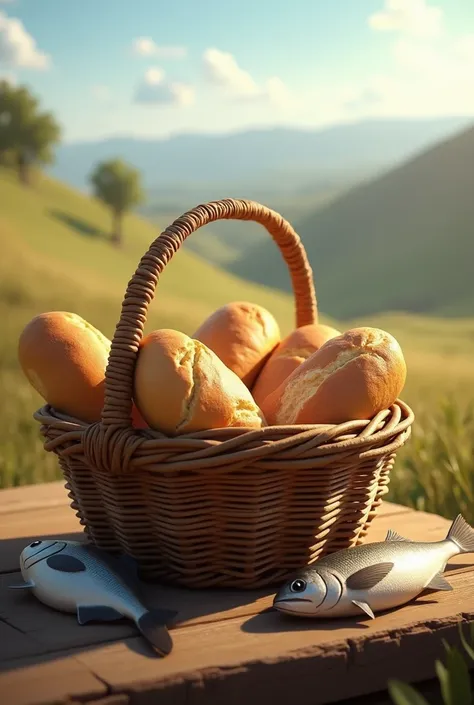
(230, 646)
(20, 499)
(58, 681)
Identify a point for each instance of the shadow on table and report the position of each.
(270, 620)
(35, 630)
(29, 629)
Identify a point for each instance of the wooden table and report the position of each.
(229, 647)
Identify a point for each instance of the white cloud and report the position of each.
(431, 72)
(145, 46)
(222, 70)
(440, 66)
(156, 90)
(414, 17)
(424, 81)
(277, 91)
(17, 47)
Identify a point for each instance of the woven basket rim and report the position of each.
(49, 416)
(118, 449)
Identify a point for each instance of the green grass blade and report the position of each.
(404, 694)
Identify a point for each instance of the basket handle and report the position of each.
(141, 289)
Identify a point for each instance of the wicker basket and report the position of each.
(230, 507)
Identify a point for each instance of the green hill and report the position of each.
(55, 255)
(68, 234)
(401, 242)
(224, 242)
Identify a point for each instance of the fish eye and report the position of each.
(35, 543)
(298, 585)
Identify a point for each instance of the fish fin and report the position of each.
(97, 613)
(364, 607)
(28, 585)
(462, 534)
(153, 627)
(366, 578)
(65, 564)
(395, 536)
(439, 582)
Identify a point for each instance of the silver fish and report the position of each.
(77, 577)
(373, 577)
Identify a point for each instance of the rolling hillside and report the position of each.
(66, 234)
(224, 242)
(401, 242)
(261, 158)
(55, 256)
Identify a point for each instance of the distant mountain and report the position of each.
(284, 159)
(224, 242)
(400, 242)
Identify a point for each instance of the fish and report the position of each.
(80, 578)
(373, 577)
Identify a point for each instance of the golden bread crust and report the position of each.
(352, 376)
(181, 386)
(242, 335)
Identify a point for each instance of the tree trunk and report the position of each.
(116, 229)
(23, 170)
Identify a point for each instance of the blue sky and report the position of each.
(151, 68)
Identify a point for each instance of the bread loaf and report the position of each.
(352, 376)
(242, 335)
(64, 358)
(182, 386)
(288, 355)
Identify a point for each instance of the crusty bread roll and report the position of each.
(242, 335)
(288, 355)
(182, 386)
(352, 376)
(64, 358)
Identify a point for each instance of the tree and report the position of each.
(27, 135)
(118, 185)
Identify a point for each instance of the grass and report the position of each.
(65, 263)
(399, 240)
(435, 471)
(56, 256)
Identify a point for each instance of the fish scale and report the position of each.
(77, 577)
(373, 577)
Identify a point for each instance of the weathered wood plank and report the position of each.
(17, 530)
(263, 657)
(19, 499)
(50, 520)
(228, 645)
(50, 629)
(194, 607)
(14, 643)
(58, 681)
(220, 644)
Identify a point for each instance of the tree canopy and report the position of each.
(27, 134)
(119, 186)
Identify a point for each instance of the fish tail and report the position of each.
(153, 627)
(462, 534)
